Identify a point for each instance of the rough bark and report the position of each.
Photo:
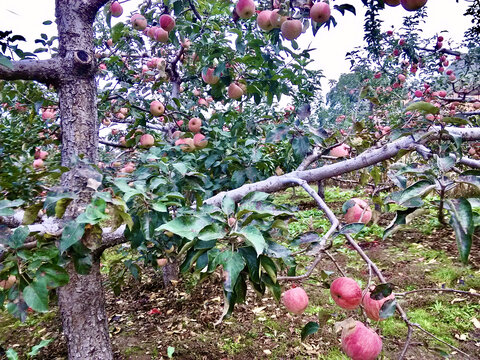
(170, 272)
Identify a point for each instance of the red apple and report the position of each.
(360, 342)
(166, 22)
(392, 2)
(277, 19)
(418, 93)
(127, 169)
(357, 210)
(245, 8)
(291, 29)
(200, 141)
(162, 262)
(38, 163)
(346, 293)
(147, 140)
(209, 76)
(320, 12)
(372, 307)
(340, 150)
(401, 77)
(234, 91)
(194, 125)
(295, 300)
(413, 5)
(116, 9)
(157, 108)
(138, 22)
(263, 20)
(161, 35)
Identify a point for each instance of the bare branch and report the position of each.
(45, 71)
(438, 290)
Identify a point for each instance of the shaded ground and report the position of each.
(145, 320)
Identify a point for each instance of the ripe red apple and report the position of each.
(372, 306)
(277, 19)
(418, 93)
(476, 105)
(8, 283)
(234, 91)
(340, 151)
(48, 114)
(291, 29)
(295, 300)
(38, 164)
(346, 293)
(116, 9)
(202, 102)
(40, 154)
(320, 12)
(138, 22)
(392, 2)
(200, 141)
(157, 108)
(263, 20)
(209, 76)
(186, 145)
(151, 33)
(360, 342)
(194, 125)
(110, 42)
(401, 77)
(162, 262)
(147, 140)
(357, 210)
(166, 22)
(161, 35)
(245, 8)
(413, 5)
(127, 169)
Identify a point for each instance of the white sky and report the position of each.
(25, 17)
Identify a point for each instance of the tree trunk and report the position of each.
(169, 273)
(82, 308)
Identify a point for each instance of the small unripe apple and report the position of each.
(320, 12)
(277, 19)
(116, 9)
(138, 22)
(38, 164)
(413, 5)
(360, 342)
(357, 210)
(234, 91)
(372, 307)
(147, 140)
(291, 29)
(161, 35)
(162, 262)
(209, 76)
(295, 300)
(200, 141)
(157, 108)
(231, 221)
(263, 20)
(346, 293)
(166, 22)
(195, 124)
(340, 151)
(245, 9)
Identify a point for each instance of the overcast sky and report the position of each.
(25, 17)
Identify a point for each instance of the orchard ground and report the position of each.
(145, 319)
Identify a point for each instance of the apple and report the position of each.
(40, 154)
(231, 221)
(346, 293)
(277, 19)
(47, 114)
(401, 77)
(202, 102)
(123, 111)
(245, 9)
(372, 307)
(116, 9)
(263, 20)
(295, 300)
(147, 140)
(38, 164)
(106, 122)
(127, 169)
(340, 151)
(110, 42)
(320, 12)
(162, 262)
(8, 283)
(378, 75)
(413, 5)
(161, 35)
(138, 22)
(476, 105)
(234, 91)
(177, 134)
(200, 141)
(209, 76)
(186, 145)
(151, 33)
(157, 108)
(197, 92)
(194, 125)
(356, 210)
(166, 22)
(291, 29)
(360, 342)
(392, 2)
(418, 93)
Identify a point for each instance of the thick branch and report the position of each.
(45, 71)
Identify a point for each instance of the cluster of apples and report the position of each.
(39, 156)
(198, 141)
(358, 341)
(270, 19)
(409, 5)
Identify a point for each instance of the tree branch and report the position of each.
(44, 71)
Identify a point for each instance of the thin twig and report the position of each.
(439, 290)
(438, 339)
(336, 263)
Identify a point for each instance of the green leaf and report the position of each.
(301, 146)
(470, 179)
(11, 354)
(117, 31)
(462, 222)
(186, 226)
(424, 107)
(310, 328)
(170, 351)
(51, 201)
(16, 240)
(6, 62)
(381, 291)
(233, 263)
(5, 206)
(253, 263)
(212, 232)
(83, 264)
(36, 349)
(36, 295)
(347, 205)
(253, 237)
(269, 267)
(446, 163)
(351, 229)
(388, 308)
(418, 189)
(402, 217)
(54, 275)
(72, 233)
(31, 213)
(228, 205)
